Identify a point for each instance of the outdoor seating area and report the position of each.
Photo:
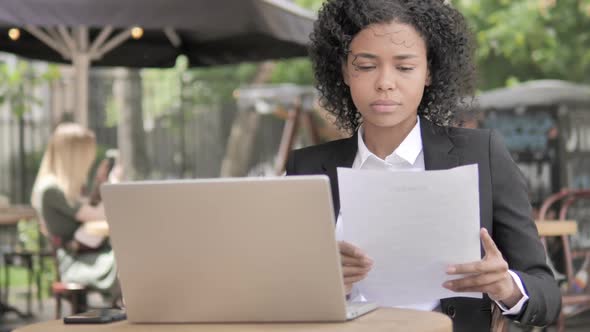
(286, 165)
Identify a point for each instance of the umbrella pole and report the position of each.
(81, 60)
(81, 65)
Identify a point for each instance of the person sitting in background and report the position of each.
(77, 229)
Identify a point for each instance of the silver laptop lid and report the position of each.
(226, 250)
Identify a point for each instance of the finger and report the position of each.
(489, 246)
(353, 279)
(351, 250)
(483, 266)
(477, 282)
(352, 261)
(494, 290)
(348, 271)
(348, 288)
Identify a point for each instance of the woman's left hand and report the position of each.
(489, 275)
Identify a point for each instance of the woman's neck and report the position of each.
(382, 141)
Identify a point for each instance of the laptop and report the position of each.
(228, 250)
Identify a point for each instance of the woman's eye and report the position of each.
(405, 68)
(364, 68)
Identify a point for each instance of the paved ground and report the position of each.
(11, 321)
(41, 312)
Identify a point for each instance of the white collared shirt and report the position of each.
(408, 156)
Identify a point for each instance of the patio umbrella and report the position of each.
(151, 33)
(535, 93)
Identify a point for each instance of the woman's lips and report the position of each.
(385, 106)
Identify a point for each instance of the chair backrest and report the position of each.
(565, 199)
(576, 207)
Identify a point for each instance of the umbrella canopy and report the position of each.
(535, 93)
(207, 32)
(152, 33)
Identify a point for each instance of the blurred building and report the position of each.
(546, 127)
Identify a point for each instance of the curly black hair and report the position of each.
(450, 53)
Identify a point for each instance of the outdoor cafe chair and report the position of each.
(574, 300)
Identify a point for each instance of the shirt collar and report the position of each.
(409, 149)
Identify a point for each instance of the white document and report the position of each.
(413, 225)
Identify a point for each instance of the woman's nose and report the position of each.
(386, 81)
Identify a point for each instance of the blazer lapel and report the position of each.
(438, 148)
(342, 156)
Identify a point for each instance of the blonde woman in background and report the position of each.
(75, 227)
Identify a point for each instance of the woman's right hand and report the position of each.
(355, 264)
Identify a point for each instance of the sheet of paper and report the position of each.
(413, 225)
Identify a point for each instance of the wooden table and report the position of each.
(556, 227)
(385, 319)
(9, 218)
(13, 214)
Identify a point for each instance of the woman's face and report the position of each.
(386, 71)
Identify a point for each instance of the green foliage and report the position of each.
(28, 234)
(161, 89)
(530, 39)
(112, 113)
(215, 84)
(18, 276)
(313, 5)
(168, 90)
(16, 85)
(297, 71)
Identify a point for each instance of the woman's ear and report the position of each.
(428, 77)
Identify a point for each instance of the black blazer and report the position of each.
(505, 212)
